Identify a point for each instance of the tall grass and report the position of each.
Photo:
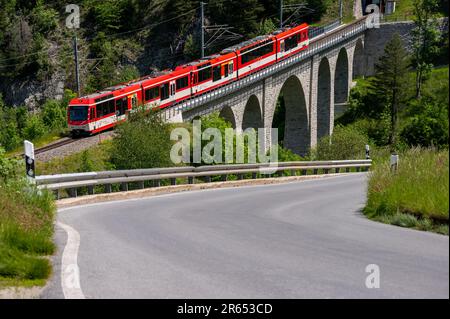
(417, 195)
(26, 231)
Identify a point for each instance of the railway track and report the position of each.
(52, 146)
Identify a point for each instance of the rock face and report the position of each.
(32, 93)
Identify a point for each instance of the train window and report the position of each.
(204, 74)
(230, 68)
(251, 54)
(217, 74)
(282, 47)
(121, 106)
(182, 83)
(290, 43)
(105, 108)
(152, 93)
(78, 112)
(225, 70)
(165, 91)
(92, 116)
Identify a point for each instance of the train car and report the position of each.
(291, 41)
(165, 88)
(102, 110)
(212, 71)
(254, 54)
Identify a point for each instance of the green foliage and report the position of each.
(425, 40)
(34, 128)
(142, 142)
(54, 115)
(420, 188)
(390, 80)
(43, 18)
(8, 167)
(26, 230)
(266, 27)
(346, 143)
(429, 127)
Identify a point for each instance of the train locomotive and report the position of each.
(102, 110)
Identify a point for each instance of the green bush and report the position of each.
(346, 143)
(8, 167)
(142, 142)
(34, 128)
(54, 115)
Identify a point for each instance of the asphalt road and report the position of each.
(298, 240)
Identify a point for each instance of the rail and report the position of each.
(327, 37)
(102, 182)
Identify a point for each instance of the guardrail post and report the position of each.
(124, 187)
(173, 181)
(72, 192)
(315, 171)
(190, 180)
(108, 188)
(347, 169)
(157, 183)
(337, 170)
(141, 185)
(303, 172)
(280, 173)
(240, 176)
(293, 172)
(254, 175)
(208, 179)
(91, 190)
(358, 169)
(224, 178)
(326, 170)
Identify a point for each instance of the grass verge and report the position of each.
(26, 231)
(416, 196)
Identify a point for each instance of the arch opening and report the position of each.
(358, 60)
(291, 117)
(324, 100)
(252, 114)
(341, 85)
(228, 115)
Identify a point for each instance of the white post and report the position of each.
(394, 162)
(367, 152)
(29, 161)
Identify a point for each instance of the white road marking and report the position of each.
(70, 272)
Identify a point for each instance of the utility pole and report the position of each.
(281, 14)
(202, 9)
(77, 68)
(340, 11)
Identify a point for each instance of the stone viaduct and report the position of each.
(312, 84)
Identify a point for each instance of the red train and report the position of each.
(102, 110)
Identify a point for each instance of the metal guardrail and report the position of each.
(73, 182)
(332, 35)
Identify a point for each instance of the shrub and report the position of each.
(142, 142)
(346, 143)
(54, 115)
(7, 167)
(34, 128)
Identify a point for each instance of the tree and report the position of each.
(425, 40)
(390, 81)
(142, 142)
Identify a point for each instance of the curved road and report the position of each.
(297, 240)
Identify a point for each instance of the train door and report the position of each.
(172, 90)
(121, 108)
(92, 117)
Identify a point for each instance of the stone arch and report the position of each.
(252, 114)
(358, 60)
(341, 78)
(228, 115)
(293, 113)
(324, 99)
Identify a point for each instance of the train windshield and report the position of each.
(78, 112)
